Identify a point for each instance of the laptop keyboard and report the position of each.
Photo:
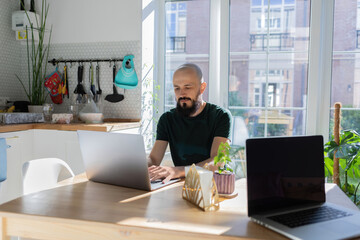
(309, 216)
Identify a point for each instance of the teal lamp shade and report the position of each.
(126, 77)
(3, 159)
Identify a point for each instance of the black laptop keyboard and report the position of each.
(309, 216)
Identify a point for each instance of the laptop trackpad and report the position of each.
(340, 226)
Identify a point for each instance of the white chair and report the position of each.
(239, 132)
(42, 174)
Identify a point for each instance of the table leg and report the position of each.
(3, 235)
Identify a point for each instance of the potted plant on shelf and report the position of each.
(224, 176)
(37, 57)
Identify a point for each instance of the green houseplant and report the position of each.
(224, 176)
(348, 152)
(37, 57)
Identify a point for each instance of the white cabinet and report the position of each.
(19, 152)
(59, 144)
(34, 144)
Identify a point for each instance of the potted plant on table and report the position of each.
(37, 57)
(224, 176)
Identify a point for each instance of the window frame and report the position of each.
(319, 60)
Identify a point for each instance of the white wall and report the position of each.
(94, 20)
(10, 54)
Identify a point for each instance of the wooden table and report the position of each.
(81, 209)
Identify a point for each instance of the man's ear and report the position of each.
(203, 87)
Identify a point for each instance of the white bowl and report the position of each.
(91, 117)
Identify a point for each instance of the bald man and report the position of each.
(194, 129)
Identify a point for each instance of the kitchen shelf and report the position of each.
(107, 126)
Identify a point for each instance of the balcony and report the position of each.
(277, 41)
(176, 44)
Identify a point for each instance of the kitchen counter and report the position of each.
(107, 126)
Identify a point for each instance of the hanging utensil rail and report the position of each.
(56, 61)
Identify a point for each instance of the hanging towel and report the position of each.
(3, 159)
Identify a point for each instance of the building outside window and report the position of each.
(268, 51)
(268, 59)
(346, 63)
(187, 40)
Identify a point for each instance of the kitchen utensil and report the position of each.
(91, 78)
(62, 87)
(98, 92)
(115, 97)
(66, 81)
(98, 79)
(126, 77)
(79, 90)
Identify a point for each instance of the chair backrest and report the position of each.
(42, 174)
(239, 131)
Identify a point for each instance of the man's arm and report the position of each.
(213, 152)
(168, 173)
(158, 172)
(157, 152)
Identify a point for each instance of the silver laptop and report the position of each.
(118, 159)
(286, 190)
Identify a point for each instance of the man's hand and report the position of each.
(165, 173)
(210, 166)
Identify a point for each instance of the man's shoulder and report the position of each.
(168, 114)
(217, 110)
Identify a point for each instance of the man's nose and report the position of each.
(182, 92)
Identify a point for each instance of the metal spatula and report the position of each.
(115, 96)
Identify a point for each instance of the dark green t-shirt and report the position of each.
(190, 138)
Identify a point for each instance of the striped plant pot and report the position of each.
(225, 182)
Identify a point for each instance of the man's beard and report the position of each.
(184, 109)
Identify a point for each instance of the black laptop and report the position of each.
(286, 190)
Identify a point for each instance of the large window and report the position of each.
(346, 63)
(187, 28)
(259, 56)
(269, 86)
(268, 65)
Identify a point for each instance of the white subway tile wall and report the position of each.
(130, 107)
(10, 50)
(13, 60)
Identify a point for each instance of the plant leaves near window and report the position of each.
(348, 152)
(329, 170)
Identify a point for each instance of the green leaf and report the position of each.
(356, 172)
(351, 188)
(342, 163)
(351, 162)
(329, 166)
(223, 156)
(350, 173)
(216, 160)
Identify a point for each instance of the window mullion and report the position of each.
(159, 58)
(320, 65)
(219, 49)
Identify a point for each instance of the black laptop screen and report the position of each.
(284, 172)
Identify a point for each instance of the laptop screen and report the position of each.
(284, 172)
